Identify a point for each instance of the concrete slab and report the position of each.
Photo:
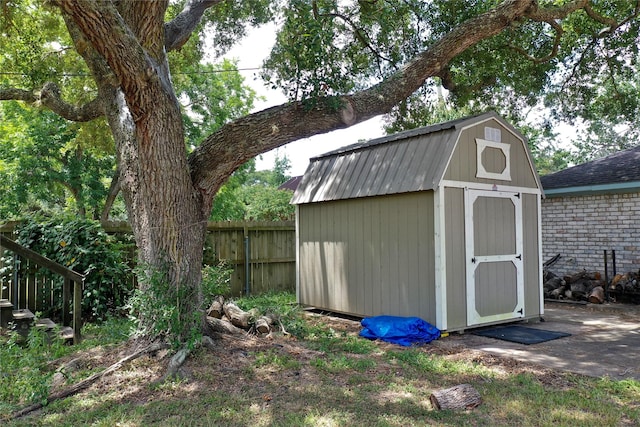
(604, 341)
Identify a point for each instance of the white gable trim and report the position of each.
(490, 187)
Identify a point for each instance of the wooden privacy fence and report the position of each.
(261, 254)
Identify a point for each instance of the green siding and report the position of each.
(463, 163)
(531, 259)
(369, 256)
(455, 253)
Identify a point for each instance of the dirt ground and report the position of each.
(230, 361)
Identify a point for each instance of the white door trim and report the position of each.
(473, 261)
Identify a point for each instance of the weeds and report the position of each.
(352, 382)
(160, 308)
(27, 367)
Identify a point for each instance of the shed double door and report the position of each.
(493, 246)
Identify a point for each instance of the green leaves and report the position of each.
(254, 195)
(83, 246)
(210, 95)
(52, 164)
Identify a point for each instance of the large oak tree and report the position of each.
(340, 62)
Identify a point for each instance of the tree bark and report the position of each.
(222, 327)
(216, 309)
(462, 396)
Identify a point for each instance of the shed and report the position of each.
(441, 222)
(590, 208)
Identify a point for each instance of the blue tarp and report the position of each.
(399, 330)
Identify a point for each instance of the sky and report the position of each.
(250, 53)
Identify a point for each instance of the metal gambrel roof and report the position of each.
(413, 160)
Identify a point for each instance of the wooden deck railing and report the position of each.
(23, 289)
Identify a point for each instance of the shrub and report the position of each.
(82, 245)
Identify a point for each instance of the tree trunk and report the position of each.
(168, 215)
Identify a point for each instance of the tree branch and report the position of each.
(357, 32)
(50, 97)
(60, 394)
(276, 126)
(555, 12)
(554, 50)
(9, 94)
(610, 22)
(178, 31)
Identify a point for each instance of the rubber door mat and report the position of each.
(520, 334)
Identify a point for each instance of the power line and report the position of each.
(5, 73)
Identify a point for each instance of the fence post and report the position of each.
(66, 297)
(247, 261)
(16, 277)
(77, 311)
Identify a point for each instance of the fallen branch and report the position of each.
(88, 381)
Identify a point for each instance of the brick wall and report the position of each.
(582, 227)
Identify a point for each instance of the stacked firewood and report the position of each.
(580, 286)
(227, 318)
(629, 282)
(626, 287)
(590, 286)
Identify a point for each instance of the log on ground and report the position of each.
(222, 326)
(237, 316)
(462, 396)
(597, 295)
(216, 307)
(264, 323)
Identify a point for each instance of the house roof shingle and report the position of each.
(291, 184)
(619, 169)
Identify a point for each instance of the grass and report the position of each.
(326, 376)
(27, 365)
